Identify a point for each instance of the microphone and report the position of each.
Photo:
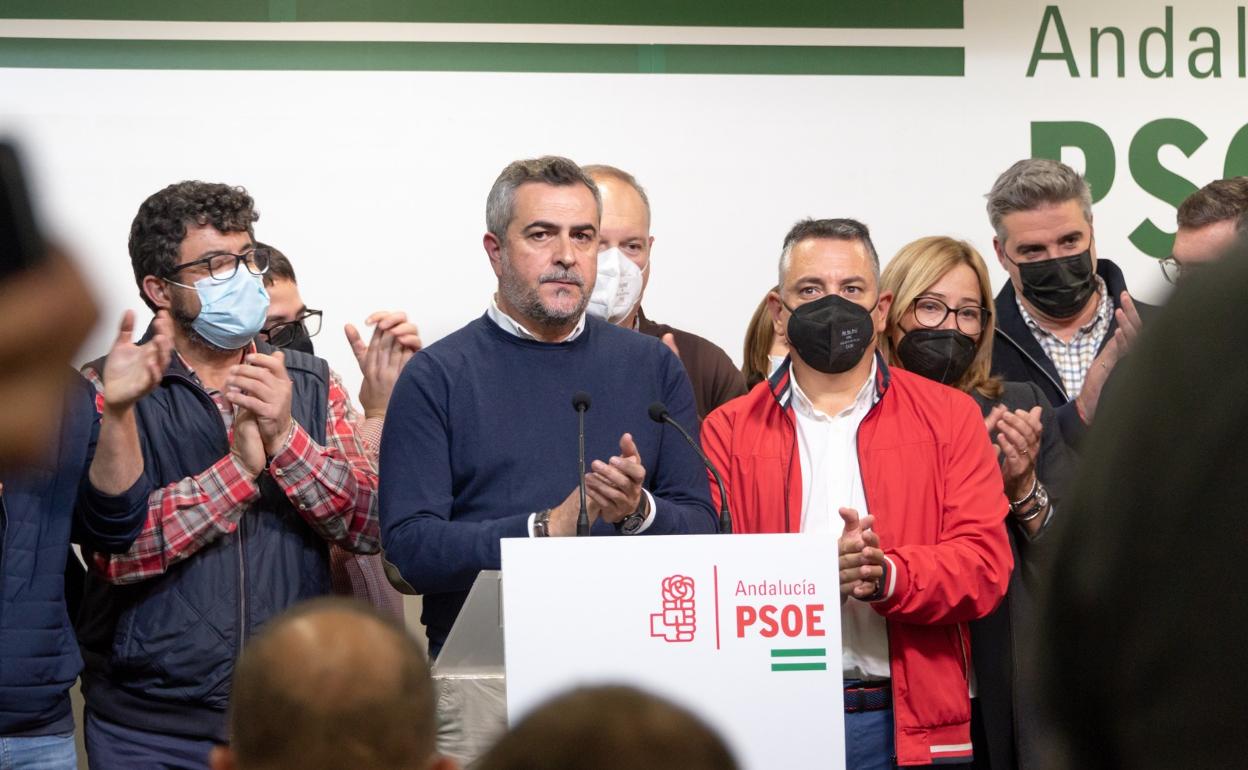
(659, 413)
(580, 402)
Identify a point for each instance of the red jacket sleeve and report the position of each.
(715, 436)
(965, 575)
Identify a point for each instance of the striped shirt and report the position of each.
(333, 487)
(1074, 358)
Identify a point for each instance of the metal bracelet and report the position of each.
(1033, 512)
(1035, 487)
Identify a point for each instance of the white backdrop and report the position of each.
(374, 183)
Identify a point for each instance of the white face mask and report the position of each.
(618, 287)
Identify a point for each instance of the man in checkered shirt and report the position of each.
(1065, 317)
(252, 468)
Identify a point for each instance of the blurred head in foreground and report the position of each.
(332, 684)
(609, 728)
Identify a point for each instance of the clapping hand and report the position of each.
(262, 387)
(132, 371)
(395, 340)
(1017, 435)
(861, 559)
(614, 487)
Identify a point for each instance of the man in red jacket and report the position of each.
(896, 464)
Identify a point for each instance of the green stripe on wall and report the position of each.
(878, 14)
(480, 57)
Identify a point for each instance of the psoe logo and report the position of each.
(677, 621)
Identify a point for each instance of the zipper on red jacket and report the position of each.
(966, 663)
(788, 469)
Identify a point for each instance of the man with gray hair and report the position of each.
(1065, 317)
(1210, 220)
(481, 432)
(624, 274)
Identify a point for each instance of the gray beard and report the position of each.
(526, 300)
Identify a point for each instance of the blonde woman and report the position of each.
(764, 349)
(940, 325)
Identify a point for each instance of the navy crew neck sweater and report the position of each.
(481, 432)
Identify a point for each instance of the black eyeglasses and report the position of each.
(281, 335)
(931, 312)
(222, 267)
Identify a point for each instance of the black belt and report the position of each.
(876, 696)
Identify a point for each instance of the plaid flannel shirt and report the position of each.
(1074, 358)
(333, 487)
(363, 576)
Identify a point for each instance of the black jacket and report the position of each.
(997, 641)
(1018, 357)
(160, 653)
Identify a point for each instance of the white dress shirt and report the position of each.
(831, 479)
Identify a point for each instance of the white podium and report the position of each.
(744, 630)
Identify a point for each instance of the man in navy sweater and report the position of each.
(481, 433)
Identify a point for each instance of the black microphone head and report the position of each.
(580, 401)
(658, 411)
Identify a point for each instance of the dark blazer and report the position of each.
(1007, 711)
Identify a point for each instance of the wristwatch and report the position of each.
(631, 524)
(541, 523)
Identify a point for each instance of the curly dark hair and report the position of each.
(160, 226)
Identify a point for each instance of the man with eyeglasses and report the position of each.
(901, 469)
(252, 467)
(291, 325)
(1065, 318)
(1209, 220)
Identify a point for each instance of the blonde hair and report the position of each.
(758, 338)
(914, 270)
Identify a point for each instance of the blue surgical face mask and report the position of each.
(231, 312)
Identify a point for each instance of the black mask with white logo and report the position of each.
(942, 355)
(831, 334)
(1060, 287)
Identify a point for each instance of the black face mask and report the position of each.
(1060, 287)
(303, 345)
(943, 355)
(299, 341)
(830, 334)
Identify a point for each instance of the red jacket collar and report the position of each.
(781, 381)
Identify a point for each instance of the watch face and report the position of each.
(631, 523)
